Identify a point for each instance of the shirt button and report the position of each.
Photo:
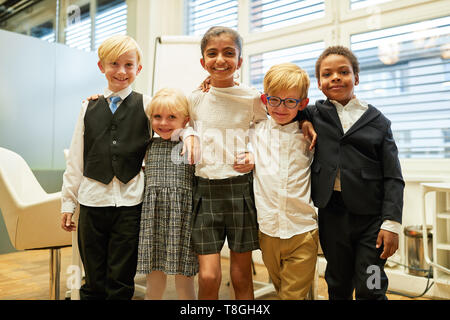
(114, 141)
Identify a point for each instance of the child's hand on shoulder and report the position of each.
(94, 97)
(244, 162)
(206, 84)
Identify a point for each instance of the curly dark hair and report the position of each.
(342, 51)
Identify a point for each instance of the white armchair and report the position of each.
(32, 216)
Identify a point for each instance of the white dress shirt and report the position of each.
(222, 118)
(348, 115)
(79, 189)
(282, 179)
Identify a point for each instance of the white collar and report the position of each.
(290, 127)
(354, 103)
(122, 93)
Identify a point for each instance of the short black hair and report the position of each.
(339, 50)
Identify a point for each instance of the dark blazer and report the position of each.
(367, 156)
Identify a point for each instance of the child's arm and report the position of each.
(309, 133)
(73, 174)
(304, 118)
(191, 145)
(191, 140)
(393, 194)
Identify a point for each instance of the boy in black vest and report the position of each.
(104, 175)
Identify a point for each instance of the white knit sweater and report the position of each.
(222, 117)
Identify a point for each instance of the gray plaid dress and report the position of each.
(165, 233)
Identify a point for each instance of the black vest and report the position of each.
(115, 145)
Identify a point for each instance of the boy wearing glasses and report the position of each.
(286, 215)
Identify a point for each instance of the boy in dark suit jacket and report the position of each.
(357, 182)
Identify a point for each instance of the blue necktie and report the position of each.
(113, 105)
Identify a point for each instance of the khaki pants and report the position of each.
(291, 263)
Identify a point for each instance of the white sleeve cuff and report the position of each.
(186, 132)
(68, 206)
(392, 226)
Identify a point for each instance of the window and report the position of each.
(44, 31)
(270, 14)
(32, 18)
(110, 19)
(38, 19)
(78, 29)
(203, 14)
(404, 73)
(304, 56)
(358, 4)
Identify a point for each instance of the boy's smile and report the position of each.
(121, 72)
(282, 114)
(337, 79)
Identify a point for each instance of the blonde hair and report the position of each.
(113, 47)
(286, 76)
(172, 99)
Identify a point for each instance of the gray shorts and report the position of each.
(224, 208)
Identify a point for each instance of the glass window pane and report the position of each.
(269, 14)
(33, 18)
(78, 27)
(304, 56)
(405, 73)
(203, 14)
(111, 19)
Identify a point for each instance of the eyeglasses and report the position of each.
(290, 103)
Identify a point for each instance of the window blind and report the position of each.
(111, 19)
(270, 14)
(405, 72)
(78, 33)
(203, 14)
(304, 56)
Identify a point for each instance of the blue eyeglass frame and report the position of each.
(283, 101)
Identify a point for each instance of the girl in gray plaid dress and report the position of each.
(165, 233)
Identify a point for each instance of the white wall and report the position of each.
(41, 89)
